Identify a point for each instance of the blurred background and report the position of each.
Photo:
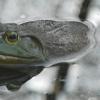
(82, 79)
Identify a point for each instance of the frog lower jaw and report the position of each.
(3, 57)
(15, 60)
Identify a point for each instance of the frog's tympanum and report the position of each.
(27, 48)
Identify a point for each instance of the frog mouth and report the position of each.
(6, 59)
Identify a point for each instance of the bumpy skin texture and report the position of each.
(61, 39)
(42, 41)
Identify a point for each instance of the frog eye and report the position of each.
(11, 37)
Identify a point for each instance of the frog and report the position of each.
(27, 48)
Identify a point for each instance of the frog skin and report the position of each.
(26, 49)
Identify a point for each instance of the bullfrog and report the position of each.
(27, 48)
